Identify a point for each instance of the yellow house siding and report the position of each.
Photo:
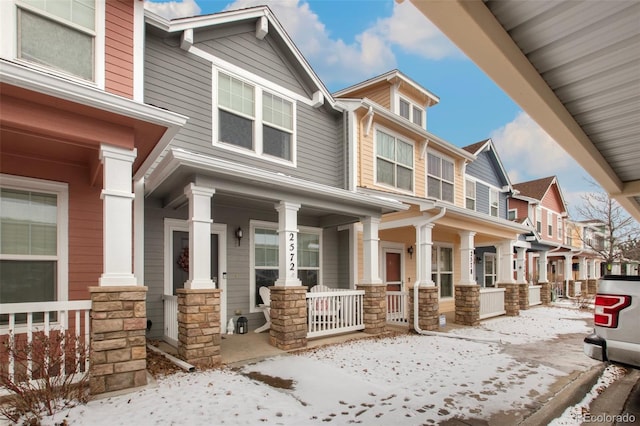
(381, 96)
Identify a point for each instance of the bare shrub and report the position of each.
(48, 375)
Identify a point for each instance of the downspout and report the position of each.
(416, 325)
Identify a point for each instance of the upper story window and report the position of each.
(58, 34)
(440, 177)
(512, 214)
(254, 119)
(33, 238)
(550, 223)
(410, 111)
(494, 202)
(394, 161)
(559, 227)
(470, 194)
(539, 219)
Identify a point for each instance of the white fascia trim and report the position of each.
(176, 157)
(26, 78)
(235, 16)
(423, 203)
(484, 217)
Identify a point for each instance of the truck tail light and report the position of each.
(608, 307)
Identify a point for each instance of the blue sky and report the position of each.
(348, 41)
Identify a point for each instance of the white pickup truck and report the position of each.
(616, 336)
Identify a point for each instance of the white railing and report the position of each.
(397, 307)
(20, 323)
(333, 312)
(170, 319)
(534, 295)
(491, 302)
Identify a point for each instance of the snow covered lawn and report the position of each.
(408, 379)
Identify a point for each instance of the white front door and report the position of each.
(490, 270)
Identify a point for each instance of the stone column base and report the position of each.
(572, 288)
(428, 308)
(288, 317)
(584, 288)
(545, 293)
(199, 326)
(375, 307)
(592, 286)
(511, 299)
(118, 340)
(523, 296)
(467, 302)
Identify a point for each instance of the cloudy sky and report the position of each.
(348, 41)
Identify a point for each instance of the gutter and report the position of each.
(416, 287)
(180, 363)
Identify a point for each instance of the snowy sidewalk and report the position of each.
(404, 380)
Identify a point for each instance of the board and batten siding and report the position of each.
(182, 82)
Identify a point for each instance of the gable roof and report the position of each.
(487, 145)
(274, 28)
(392, 76)
(475, 148)
(535, 189)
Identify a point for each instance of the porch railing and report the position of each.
(333, 312)
(534, 295)
(491, 302)
(20, 323)
(397, 307)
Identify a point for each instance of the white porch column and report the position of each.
(542, 270)
(530, 267)
(117, 216)
(591, 268)
(138, 230)
(288, 241)
(424, 244)
(568, 261)
(199, 236)
(520, 278)
(371, 273)
(467, 260)
(582, 265)
(505, 272)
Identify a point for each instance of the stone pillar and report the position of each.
(118, 342)
(288, 317)
(511, 299)
(375, 307)
(545, 293)
(428, 308)
(569, 285)
(467, 301)
(523, 296)
(592, 286)
(199, 326)
(117, 213)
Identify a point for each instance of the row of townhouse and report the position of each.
(168, 170)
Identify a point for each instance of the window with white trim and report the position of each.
(254, 119)
(394, 161)
(265, 246)
(539, 219)
(559, 223)
(440, 177)
(442, 269)
(58, 34)
(494, 202)
(550, 223)
(33, 239)
(410, 111)
(512, 214)
(470, 194)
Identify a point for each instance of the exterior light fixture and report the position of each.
(239, 235)
(410, 251)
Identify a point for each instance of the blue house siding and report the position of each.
(486, 169)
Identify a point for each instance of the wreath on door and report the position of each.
(183, 259)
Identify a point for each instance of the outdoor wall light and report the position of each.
(410, 251)
(239, 235)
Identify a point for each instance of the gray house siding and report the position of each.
(482, 198)
(182, 82)
(486, 169)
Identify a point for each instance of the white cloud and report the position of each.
(173, 9)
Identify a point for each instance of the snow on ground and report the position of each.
(408, 379)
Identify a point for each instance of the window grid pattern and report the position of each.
(394, 162)
(440, 178)
(470, 194)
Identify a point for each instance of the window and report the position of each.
(512, 214)
(417, 116)
(405, 109)
(549, 223)
(242, 107)
(559, 227)
(539, 219)
(33, 238)
(266, 260)
(494, 198)
(394, 161)
(440, 178)
(470, 194)
(442, 269)
(58, 34)
(490, 275)
(410, 111)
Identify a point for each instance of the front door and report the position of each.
(489, 270)
(393, 270)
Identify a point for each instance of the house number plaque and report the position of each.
(291, 254)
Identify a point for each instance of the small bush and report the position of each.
(48, 375)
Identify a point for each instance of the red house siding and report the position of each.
(85, 216)
(119, 47)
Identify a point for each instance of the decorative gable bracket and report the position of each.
(262, 27)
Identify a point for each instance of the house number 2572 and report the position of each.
(292, 252)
